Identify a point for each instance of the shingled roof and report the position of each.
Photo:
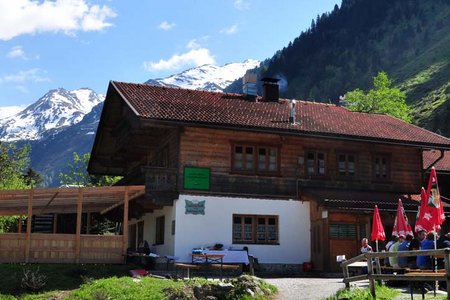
(225, 110)
(442, 164)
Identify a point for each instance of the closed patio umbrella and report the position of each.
(378, 233)
(401, 223)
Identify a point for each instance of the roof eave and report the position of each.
(424, 146)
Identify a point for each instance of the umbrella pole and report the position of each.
(377, 262)
(436, 283)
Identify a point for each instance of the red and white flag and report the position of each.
(431, 212)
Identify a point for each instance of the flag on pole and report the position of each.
(432, 213)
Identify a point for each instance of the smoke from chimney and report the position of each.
(271, 91)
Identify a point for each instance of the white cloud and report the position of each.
(166, 25)
(16, 52)
(194, 57)
(193, 44)
(230, 30)
(20, 17)
(33, 75)
(241, 4)
(7, 111)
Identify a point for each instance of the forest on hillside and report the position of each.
(345, 48)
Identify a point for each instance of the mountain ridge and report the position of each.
(57, 109)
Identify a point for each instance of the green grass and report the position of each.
(382, 293)
(98, 282)
(59, 276)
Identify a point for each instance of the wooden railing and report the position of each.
(60, 248)
(413, 276)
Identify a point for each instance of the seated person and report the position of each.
(403, 261)
(425, 262)
(393, 260)
(365, 247)
(415, 244)
(144, 248)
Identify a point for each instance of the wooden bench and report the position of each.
(186, 266)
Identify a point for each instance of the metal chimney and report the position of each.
(249, 85)
(271, 91)
(292, 111)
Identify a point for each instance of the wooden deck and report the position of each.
(65, 248)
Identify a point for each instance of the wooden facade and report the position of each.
(212, 148)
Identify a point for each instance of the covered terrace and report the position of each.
(26, 245)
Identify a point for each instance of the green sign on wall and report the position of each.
(196, 178)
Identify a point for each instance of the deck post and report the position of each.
(19, 226)
(125, 223)
(371, 280)
(78, 232)
(29, 216)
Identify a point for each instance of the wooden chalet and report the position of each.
(294, 181)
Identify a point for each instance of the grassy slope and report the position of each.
(426, 81)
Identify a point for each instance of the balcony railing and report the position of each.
(161, 184)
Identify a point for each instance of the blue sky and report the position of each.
(84, 43)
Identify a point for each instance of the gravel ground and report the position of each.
(306, 288)
(321, 288)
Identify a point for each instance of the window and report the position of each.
(346, 165)
(381, 167)
(255, 229)
(159, 234)
(342, 231)
(315, 163)
(255, 159)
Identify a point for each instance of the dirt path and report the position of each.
(306, 288)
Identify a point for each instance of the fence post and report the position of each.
(371, 280)
(345, 270)
(447, 270)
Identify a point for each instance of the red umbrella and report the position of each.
(377, 227)
(432, 212)
(400, 224)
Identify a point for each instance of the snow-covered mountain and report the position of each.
(207, 77)
(56, 110)
(63, 122)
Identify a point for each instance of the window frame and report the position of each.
(316, 163)
(254, 229)
(160, 230)
(355, 161)
(255, 170)
(388, 167)
(343, 237)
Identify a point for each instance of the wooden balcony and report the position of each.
(161, 184)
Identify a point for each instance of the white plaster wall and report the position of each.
(150, 228)
(216, 227)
